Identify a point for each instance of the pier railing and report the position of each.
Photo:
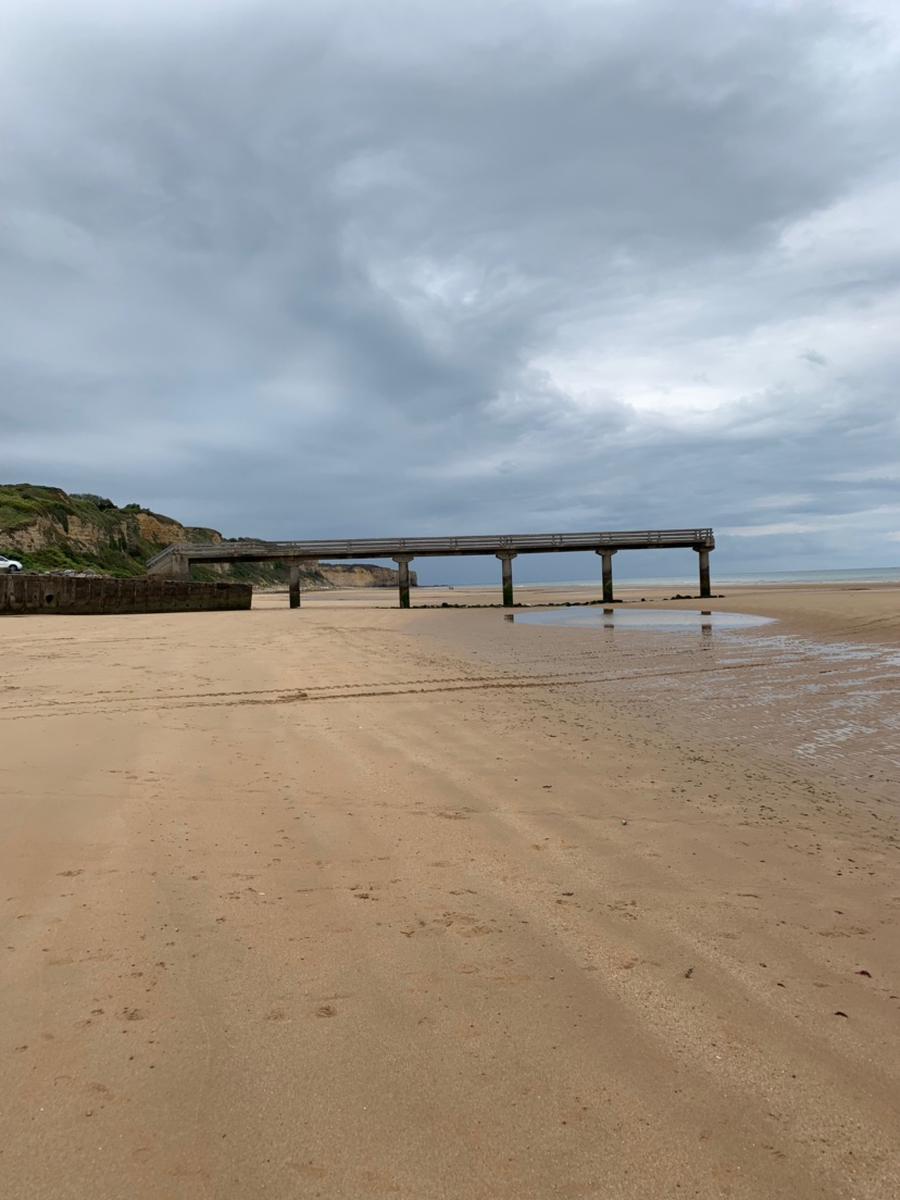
(176, 560)
(521, 543)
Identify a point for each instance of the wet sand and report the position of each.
(352, 902)
(855, 611)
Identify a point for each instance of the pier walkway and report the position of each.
(176, 561)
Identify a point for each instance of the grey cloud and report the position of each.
(303, 270)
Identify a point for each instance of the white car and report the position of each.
(9, 565)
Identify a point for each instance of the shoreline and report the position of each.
(870, 612)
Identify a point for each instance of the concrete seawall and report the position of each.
(23, 593)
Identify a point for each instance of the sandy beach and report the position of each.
(351, 902)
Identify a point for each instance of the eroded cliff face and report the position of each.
(41, 532)
(51, 530)
(361, 575)
(164, 530)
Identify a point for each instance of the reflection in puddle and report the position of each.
(671, 619)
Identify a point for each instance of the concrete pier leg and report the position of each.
(183, 568)
(294, 585)
(607, 556)
(403, 561)
(506, 558)
(176, 567)
(704, 571)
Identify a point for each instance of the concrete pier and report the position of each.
(606, 556)
(175, 561)
(175, 566)
(403, 561)
(506, 557)
(703, 554)
(294, 585)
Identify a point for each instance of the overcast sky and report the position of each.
(334, 268)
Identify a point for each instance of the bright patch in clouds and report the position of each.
(775, 529)
(299, 270)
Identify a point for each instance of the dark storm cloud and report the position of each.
(346, 268)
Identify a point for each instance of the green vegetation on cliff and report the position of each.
(50, 530)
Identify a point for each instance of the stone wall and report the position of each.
(23, 593)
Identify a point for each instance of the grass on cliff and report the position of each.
(62, 520)
(60, 558)
(121, 550)
(21, 504)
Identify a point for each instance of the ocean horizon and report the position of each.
(853, 575)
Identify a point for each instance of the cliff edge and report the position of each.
(52, 530)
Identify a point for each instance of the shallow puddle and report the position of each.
(667, 620)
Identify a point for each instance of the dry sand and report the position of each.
(351, 902)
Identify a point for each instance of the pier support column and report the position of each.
(294, 585)
(178, 567)
(506, 557)
(703, 555)
(403, 561)
(607, 556)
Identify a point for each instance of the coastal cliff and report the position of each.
(361, 575)
(49, 529)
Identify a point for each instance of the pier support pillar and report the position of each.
(294, 585)
(403, 561)
(607, 556)
(506, 557)
(181, 567)
(703, 555)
